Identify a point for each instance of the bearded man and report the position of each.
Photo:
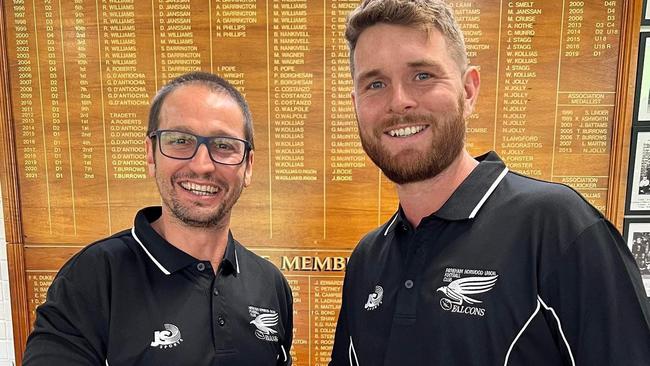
(479, 265)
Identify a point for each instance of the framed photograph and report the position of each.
(637, 237)
(645, 18)
(642, 95)
(638, 193)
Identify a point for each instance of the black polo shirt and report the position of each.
(510, 271)
(134, 299)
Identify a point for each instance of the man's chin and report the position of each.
(411, 171)
(201, 221)
(198, 216)
(202, 224)
(407, 177)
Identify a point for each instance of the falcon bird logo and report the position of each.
(263, 323)
(457, 290)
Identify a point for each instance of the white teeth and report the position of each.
(407, 131)
(200, 189)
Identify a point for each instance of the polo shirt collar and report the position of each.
(164, 255)
(469, 197)
(230, 262)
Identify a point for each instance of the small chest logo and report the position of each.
(264, 320)
(168, 338)
(460, 292)
(374, 299)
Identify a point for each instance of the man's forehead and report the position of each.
(423, 33)
(196, 96)
(196, 100)
(406, 37)
(199, 92)
(432, 62)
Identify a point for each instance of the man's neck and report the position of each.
(208, 244)
(421, 199)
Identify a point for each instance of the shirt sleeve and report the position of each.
(342, 342)
(284, 356)
(70, 327)
(595, 302)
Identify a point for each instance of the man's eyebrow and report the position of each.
(180, 128)
(425, 63)
(368, 75)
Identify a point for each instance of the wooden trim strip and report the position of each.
(11, 204)
(623, 114)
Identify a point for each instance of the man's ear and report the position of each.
(248, 173)
(471, 85)
(151, 156)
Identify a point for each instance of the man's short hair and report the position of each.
(425, 14)
(213, 83)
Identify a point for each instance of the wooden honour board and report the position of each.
(78, 77)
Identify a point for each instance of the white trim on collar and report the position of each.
(391, 224)
(163, 269)
(236, 259)
(488, 193)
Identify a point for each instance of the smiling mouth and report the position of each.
(406, 131)
(200, 189)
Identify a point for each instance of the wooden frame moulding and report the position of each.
(11, 204)
(622, 127)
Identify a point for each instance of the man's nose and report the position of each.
(201, 162)
(402, 99)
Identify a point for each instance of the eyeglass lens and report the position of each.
(183, 145)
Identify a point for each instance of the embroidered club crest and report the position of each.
(264, 320)
(460, 293)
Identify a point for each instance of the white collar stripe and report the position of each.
(236, 260)
(391, 224)
(559, 326)
(163, 269)
(488, 193)
(512, 345)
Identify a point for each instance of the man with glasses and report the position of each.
(176, 289)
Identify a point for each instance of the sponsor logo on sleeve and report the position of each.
(264, 321)
(464, 290)
(374, 299)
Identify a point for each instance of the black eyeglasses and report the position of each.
(184, 145)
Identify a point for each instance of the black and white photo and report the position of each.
(637, 233)
(639, 180)
(642, 96)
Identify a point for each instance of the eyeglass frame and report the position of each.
(201, 140)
